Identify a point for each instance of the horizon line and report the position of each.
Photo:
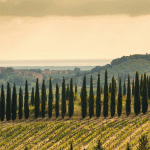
(59, 59)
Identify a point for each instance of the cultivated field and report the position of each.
(45, 133)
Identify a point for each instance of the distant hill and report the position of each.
(121, 60)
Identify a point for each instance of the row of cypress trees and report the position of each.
(11, 108)
(112, 89)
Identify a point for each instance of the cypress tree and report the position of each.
(71, 147)
(83, 98)
(8, 99)
(50, 99)
(144, 96)
(143, 143)
(91, 99)
(37, 100)
(105, 104)
(149, 88)
(133, 88)
(26, 106)
(112, 106)
(76, 89)
(102, 90)
(0, 107)
(128, 100)
(20, 102)
(119, 106)
(137, 95)
(32, 97)
(2, 104)
(57, 101)
(26, 148)
(141, 85)
(10, 105)
(115, 86)
(128, 147)
(68, 92)
(147, 81)
(73, 93)
(81, 92)
(99, 146)
(147, 85)
(63, 98)
(98, 98)
(14, 103)
(110, 88)
(44, 98)
(71, 103)
(124, 89)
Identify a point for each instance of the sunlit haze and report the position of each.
(55, 37)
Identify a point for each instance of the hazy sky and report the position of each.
(73, 29)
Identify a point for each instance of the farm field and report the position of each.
(45, 133)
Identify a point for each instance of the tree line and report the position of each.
(141, 89)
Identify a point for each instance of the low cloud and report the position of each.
(40, 8)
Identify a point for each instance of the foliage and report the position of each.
(32, 97)
(99, 146)
(63, 98)
(26, 148)
(133, 88)
(8, 103)
(20, 103)
(112, 106)
(119, 106)
(36, 70)
(137, 95)
(71, 101)
(144, 96)
(143, 143)
(141, 85)
(124, 89)
(105, 104)
(44, 98)
(2, 104)
(14, 103)
(26, 105)
(91, 99)
(37, 100)
(98, 98)
(84, 98)
(149, 88)
(57, 101)
(128, 100)
(50, 101)
(128, 146)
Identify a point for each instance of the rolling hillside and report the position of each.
(45, 133)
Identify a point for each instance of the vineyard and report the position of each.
(45, 133)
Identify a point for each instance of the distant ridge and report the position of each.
(118, 61)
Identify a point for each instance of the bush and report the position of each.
(128, 147)
(143, 143)
(99, 146)
(26, 148)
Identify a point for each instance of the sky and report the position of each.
(73, 29)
